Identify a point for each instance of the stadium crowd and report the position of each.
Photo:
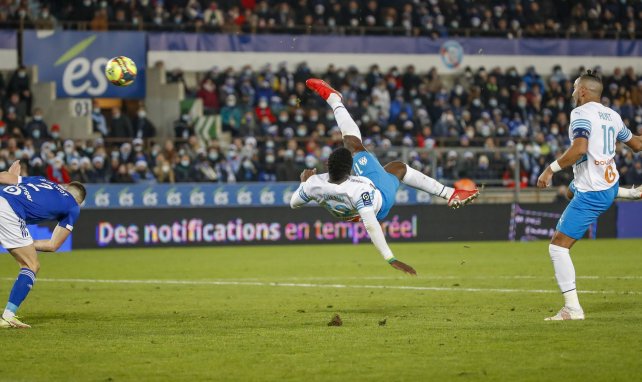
(278, 127)
(582, 19)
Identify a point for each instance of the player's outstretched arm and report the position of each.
(11, 176)
(379, 240)
(298, 197)
(58, 237)
(578, 148)
(635, 143)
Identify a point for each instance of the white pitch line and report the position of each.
(309, 285)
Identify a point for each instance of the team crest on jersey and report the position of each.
(365, 197)
(363, 161)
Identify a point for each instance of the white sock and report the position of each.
(343, 118)
(8, 314)
(420, 181)
(564, 274)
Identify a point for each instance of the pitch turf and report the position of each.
(474, 313)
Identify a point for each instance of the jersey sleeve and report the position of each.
(375, 231)
(30, 179)
(580, 124)
(363, 199)
(69, 220)
(300, 197)
(624, 135)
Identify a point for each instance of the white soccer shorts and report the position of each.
(13, 229)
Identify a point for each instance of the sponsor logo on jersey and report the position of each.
(363, 161)
(367, 200)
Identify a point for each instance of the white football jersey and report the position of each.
(602, 126)
(344, 200)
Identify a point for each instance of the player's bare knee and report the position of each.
(353, 144)
(396, 168)
(561, 240)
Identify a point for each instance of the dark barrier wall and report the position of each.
(279, 225)
(629, 220)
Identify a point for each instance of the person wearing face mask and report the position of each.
(57, 172)
(20, 84)
(143, 127)
(267, 172)
(183, 127)
(37, 129)
(231, 116)
(247, 172)
(184, 170)
(121, 126)
(263, 110)
(45, 19)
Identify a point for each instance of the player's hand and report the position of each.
(544, 180)
(404, 267)
(307, 173)
(15, 168)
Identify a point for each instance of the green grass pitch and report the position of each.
(475, 312)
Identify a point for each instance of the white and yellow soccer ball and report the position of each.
(121, 71)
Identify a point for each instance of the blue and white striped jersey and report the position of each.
(602, 126)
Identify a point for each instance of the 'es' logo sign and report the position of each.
(75, 61)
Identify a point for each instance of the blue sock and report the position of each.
(21, 289)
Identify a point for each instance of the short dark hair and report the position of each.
(82, 192)
(591, 75)
(339, 163)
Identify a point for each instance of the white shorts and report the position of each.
(13, 230)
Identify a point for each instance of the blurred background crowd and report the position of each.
(277, 128)
(435, 18)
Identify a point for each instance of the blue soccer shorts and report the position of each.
(367, 165)
(584, 209)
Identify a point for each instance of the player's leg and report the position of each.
(27, 257)
(15, 237)
(559, 251)
(349, 129)
(581, 212)
(420, 181)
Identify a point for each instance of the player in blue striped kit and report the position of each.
(31, 200)
(594, 131)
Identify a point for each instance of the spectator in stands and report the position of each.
(36, 167)
(57, 172)
(208, 94)
(121, 126)
(184, 171)
(231, 116)
(37, 128)
(17, 107)
(142, 174)
(99, 173)
(183, 127)
(98, 120)
(122, 175)
(143, 127)
(45, 20)
(634, 174)
(164, 171)
(20, 84)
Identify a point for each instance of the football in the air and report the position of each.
(121, 71)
